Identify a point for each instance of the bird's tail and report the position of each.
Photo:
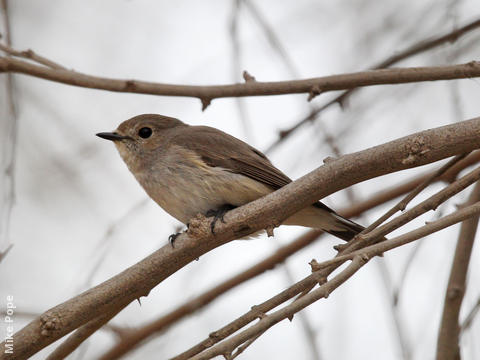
(343, 228)
(320, 216)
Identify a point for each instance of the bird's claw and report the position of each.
(172, 238)
(218, 214)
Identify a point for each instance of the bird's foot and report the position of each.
(172, 238)
(218, 214)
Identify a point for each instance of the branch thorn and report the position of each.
(205, 103)
(248, 77)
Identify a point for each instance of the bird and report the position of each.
(189, 170)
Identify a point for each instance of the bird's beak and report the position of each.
(112, 136)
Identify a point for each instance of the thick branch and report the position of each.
(251, 88)
(448, 337)
(407, 152)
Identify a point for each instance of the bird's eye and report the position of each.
(145, 132)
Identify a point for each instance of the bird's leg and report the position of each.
(218, 214)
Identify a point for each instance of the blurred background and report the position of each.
(76, 216)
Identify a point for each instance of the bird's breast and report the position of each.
(185, 186)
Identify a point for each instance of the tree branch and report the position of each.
(80, 335)
(448, 336)
(136, 336)
(30, 55)
(407, 152)
(471, 315)
(206, 93)
(400, 206)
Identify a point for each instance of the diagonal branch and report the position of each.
(429, 204)
(402, 204)
(471, 315)
(404, 153)
(80, 335)
(159, 325)
(448, 337)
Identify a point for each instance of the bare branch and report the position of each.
(5, 252)
(206, 93)
(407, 152)
(448, 336)
(471, 315)
(9, 142)
(429, 204)
(402, 204)
(79, 336)
(272, 37)
(397, 319)
(236, 68)
(31, 55)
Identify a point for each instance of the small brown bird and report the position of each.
(198, 169)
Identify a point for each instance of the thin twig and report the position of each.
(429, 204)
(397, 318)
(402, 204)
(471, 315)
(242, 348)
(236, 68)
(105, 240)
(403, 274)
(272, 38)
(5, 252)
(30, 55)
(9, 142)
(448, 336)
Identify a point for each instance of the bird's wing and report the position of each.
(218, 149)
